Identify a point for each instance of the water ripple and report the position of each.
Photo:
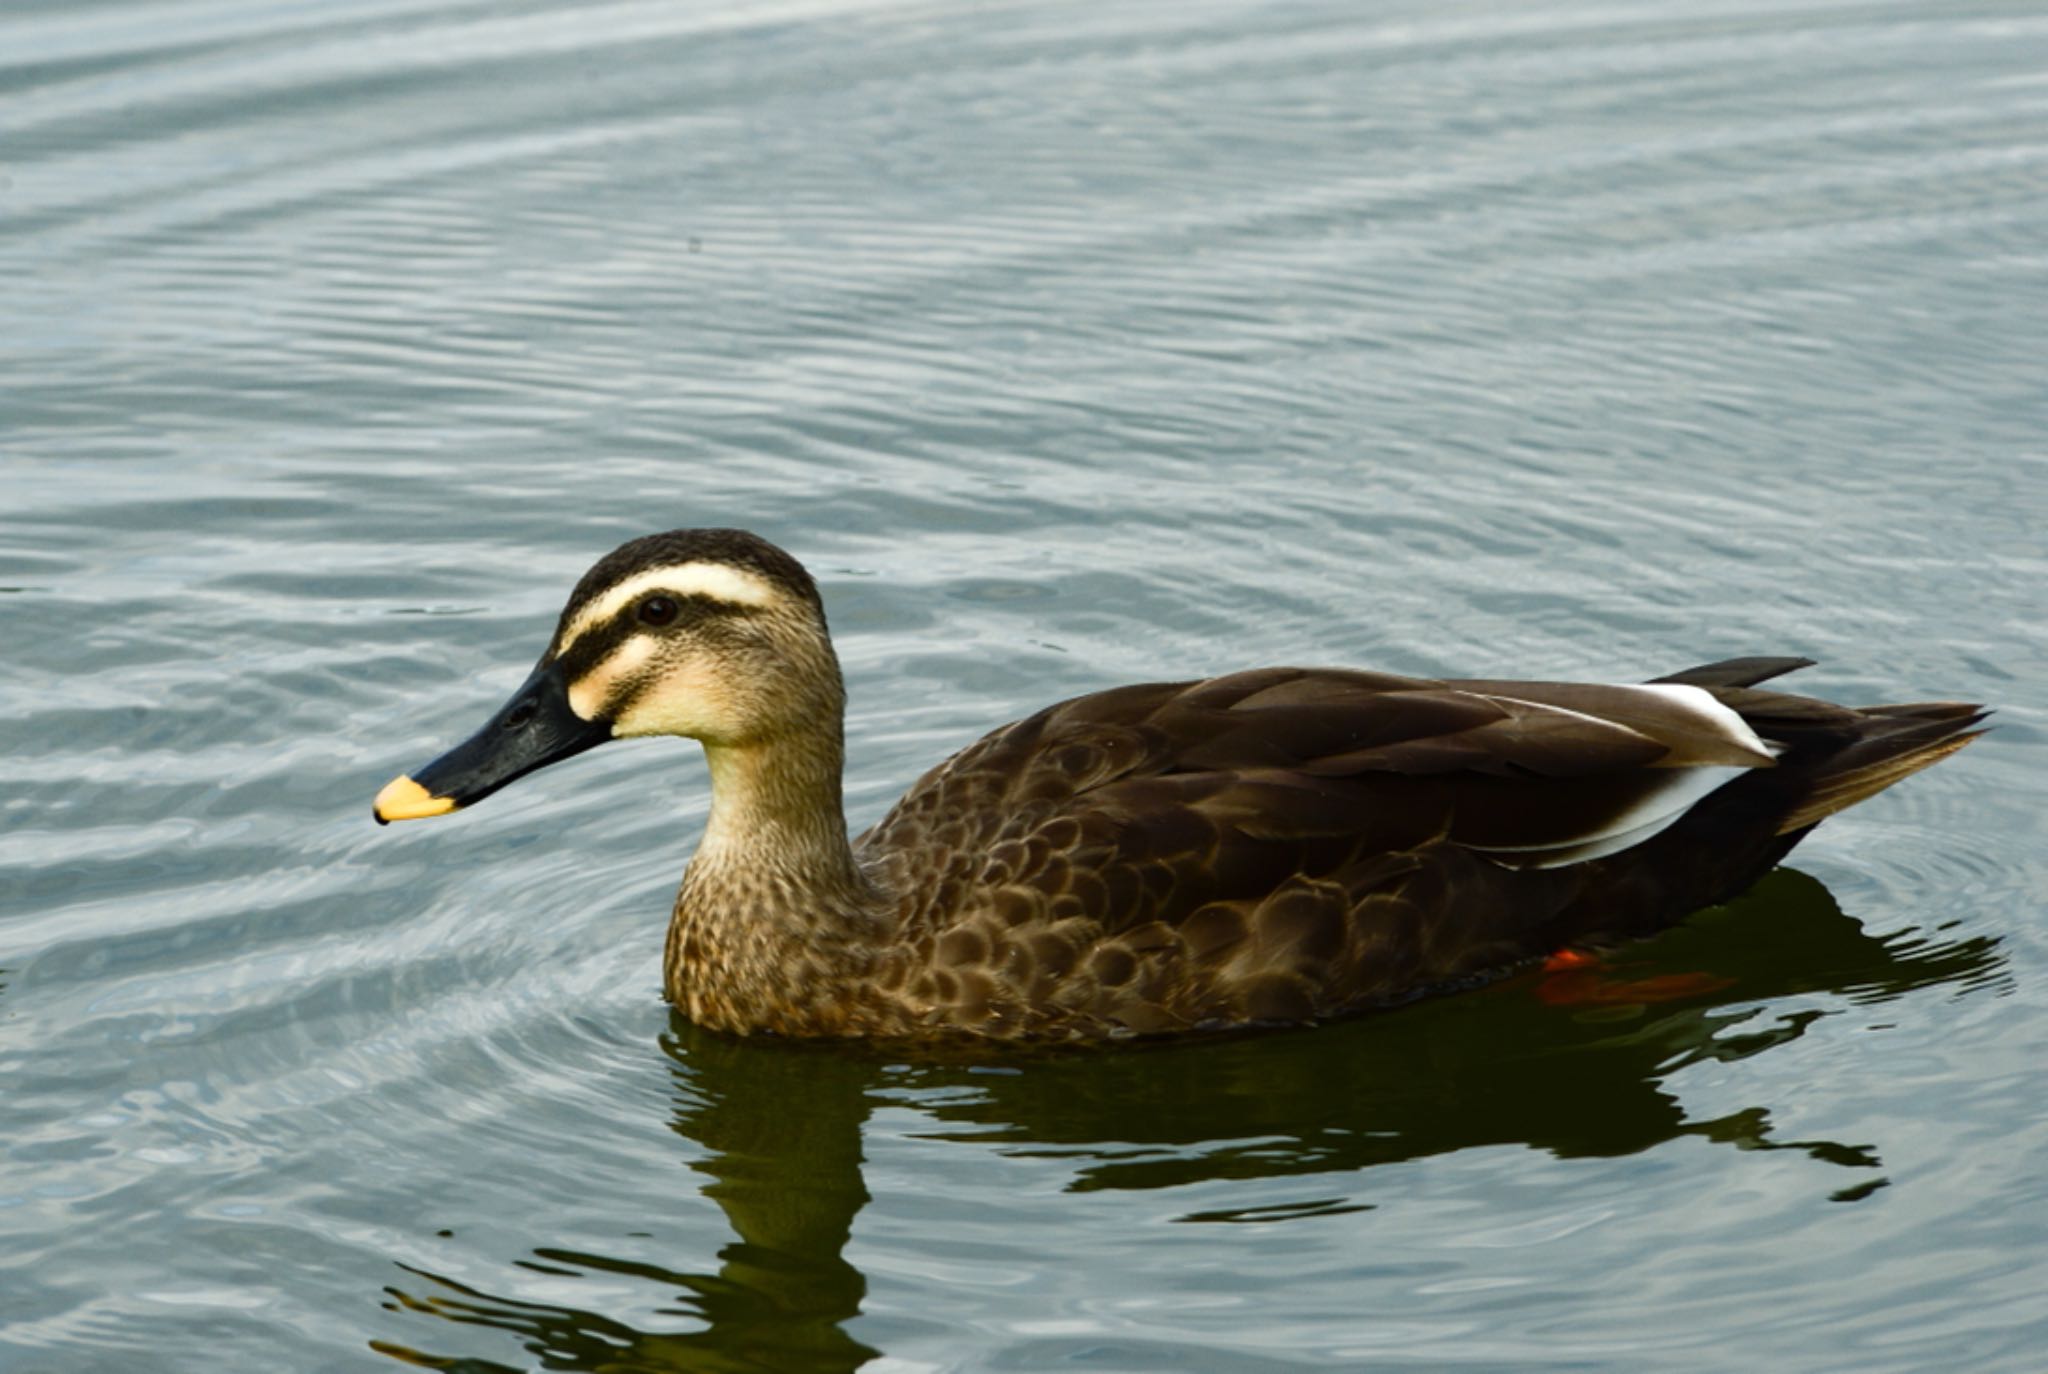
(1070, 345)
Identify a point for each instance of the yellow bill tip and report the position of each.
(405, 800)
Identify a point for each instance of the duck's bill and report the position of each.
(532, 730)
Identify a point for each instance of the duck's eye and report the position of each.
(657, 610)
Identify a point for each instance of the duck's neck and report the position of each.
(774, 910)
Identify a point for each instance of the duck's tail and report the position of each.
(1835, 756)
(1892, 742)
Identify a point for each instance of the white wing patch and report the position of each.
(1700, 702)
(719, 581)
(1682, 788)
(1651, 816)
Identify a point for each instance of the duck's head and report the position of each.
(716, 635)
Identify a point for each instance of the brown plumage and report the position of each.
(1282, 845)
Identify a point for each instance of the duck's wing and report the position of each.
(1536, 773)
(1284, 843)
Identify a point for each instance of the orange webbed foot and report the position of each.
(1580, 978)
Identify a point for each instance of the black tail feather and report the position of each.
(1734, 672)
(1896, 741)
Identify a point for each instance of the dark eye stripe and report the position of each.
(695, 609)
(694, 606)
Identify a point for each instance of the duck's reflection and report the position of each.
(782, 1128)
(1572, 1063)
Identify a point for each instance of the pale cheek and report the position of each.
(591, 695)
(688, 702)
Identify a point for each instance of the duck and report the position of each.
(1277, 846)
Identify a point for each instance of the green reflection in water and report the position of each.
(781, 1125)
(1569, 1063)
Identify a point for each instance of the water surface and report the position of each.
(1069, 345)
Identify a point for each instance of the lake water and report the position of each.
(1070, 344)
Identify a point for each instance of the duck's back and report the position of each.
(1292, 844)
